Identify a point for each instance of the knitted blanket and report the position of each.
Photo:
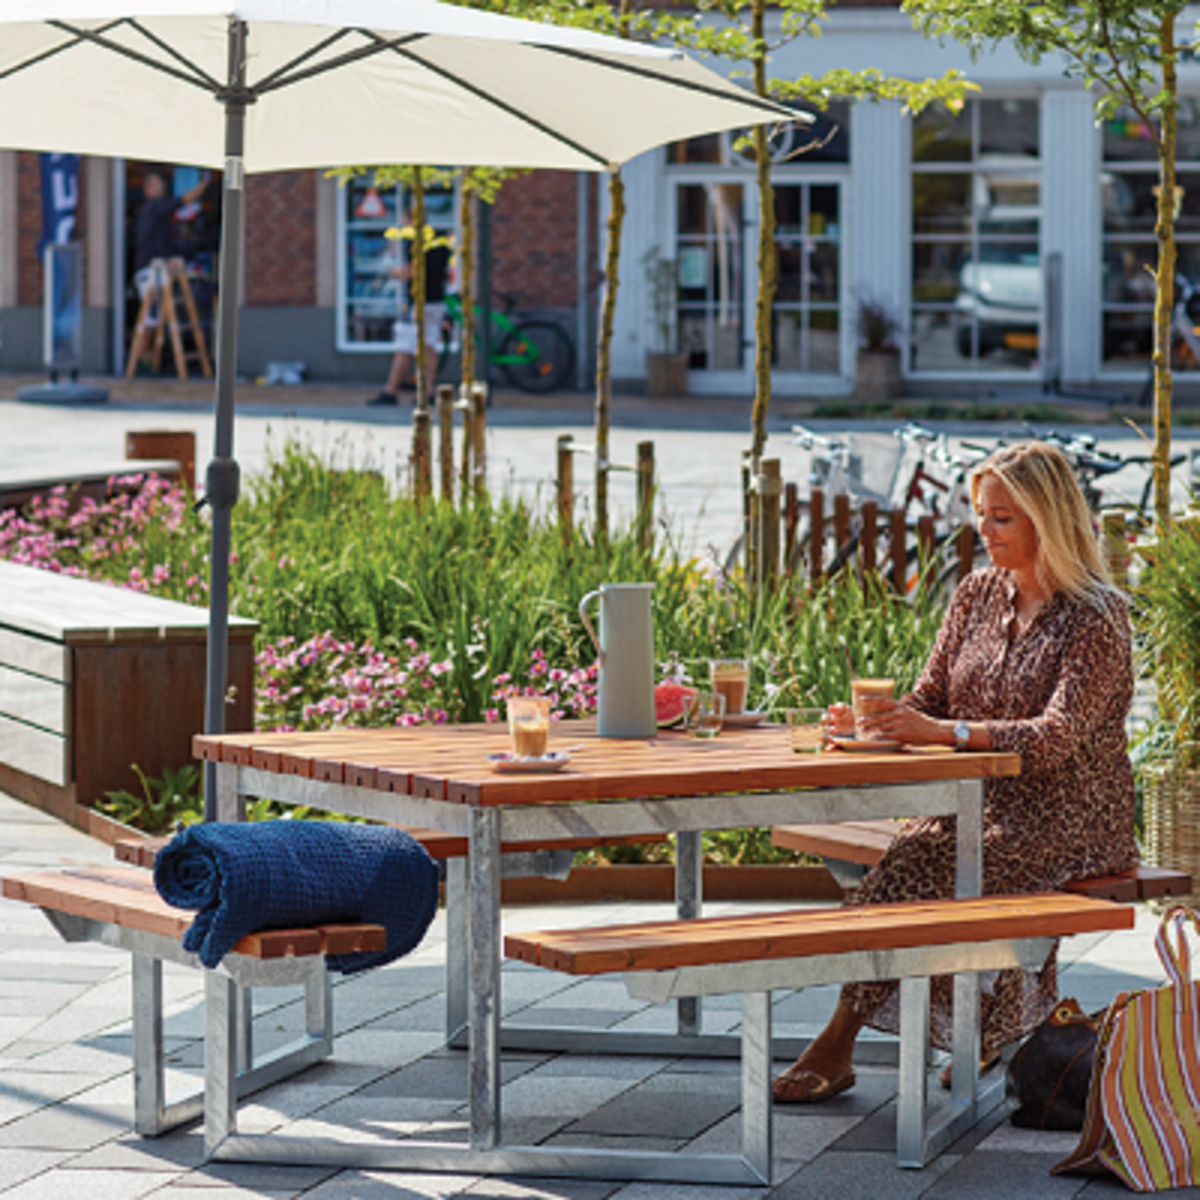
(281, 874)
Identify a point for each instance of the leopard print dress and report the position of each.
(1057, 693)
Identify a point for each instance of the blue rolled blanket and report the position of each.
(245, 877)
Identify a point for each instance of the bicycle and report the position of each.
(535, 355)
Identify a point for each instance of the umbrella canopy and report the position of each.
(335, 82)
(264, 85)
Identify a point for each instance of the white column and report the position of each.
(645, 227)
(877, 252)
(97, 273)
(8, 229)
(1071, 223)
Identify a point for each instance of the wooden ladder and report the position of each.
(160, 314)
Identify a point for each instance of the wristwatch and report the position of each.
(962, 734)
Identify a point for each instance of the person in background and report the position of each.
(1034, 658)
(401, 373)
(154, 234)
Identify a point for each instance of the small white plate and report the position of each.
(745, 720)
(866, 745)
(507, 763)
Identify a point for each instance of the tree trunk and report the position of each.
(466, 280)
(1164, 302)
(765, 299)
(612, 256)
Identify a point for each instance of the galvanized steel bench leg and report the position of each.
(914, 1055)
(149, 1095)
(457, 982)
(483, 1054)
(220, 1060)
(756, 1082)
(689, 894)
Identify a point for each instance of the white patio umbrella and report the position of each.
(268, 85)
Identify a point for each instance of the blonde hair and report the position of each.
(1040, 480)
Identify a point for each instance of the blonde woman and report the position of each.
(1033, 657)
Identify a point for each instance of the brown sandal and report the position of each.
(799, 1085)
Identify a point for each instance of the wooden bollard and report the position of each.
(1116, 548)
(868, 539)
(467, 409)
(926, 545)
(566, 487)
(445, 406)
(791, 524)
(165, 443)
(816, 535)
(645, 496)
(899, 552)
(422, 453)
(479, 403)
(841, 520)
(770, 492)
(964, 544)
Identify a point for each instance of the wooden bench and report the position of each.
(94, 678)
(850, 848)
(754, 954)
(119, 907)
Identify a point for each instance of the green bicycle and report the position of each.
(535, 355)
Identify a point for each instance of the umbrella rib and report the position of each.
(280, 78)
(194, 76)
(512, 110)
(689, 85)
(45, 54)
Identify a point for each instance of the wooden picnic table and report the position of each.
(440, 777)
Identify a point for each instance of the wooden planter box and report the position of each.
(94, 678)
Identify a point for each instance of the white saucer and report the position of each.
(866, 745)
(507, 763)
(745, 720)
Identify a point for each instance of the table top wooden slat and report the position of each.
(663, 945)
(451, 763)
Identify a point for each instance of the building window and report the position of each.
(370, 297)
(1129, 202)
(976, 212)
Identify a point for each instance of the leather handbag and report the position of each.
(1143, 1113)
(1051, 1072)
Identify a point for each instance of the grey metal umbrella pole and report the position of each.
(222, 475)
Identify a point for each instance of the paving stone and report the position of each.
(440, 1077)
(657, 1111)
(255, 1178)
(572, 1018)
(95, 1185)
(865, 1175)
(381, 1185)
(182, 1148)
(65, 1127)
(796, 1138)
(541, 1189)
(18, 1165)
(1002, 1174)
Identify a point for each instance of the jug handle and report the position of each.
(587, 624)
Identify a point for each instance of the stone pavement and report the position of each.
(66, 1085)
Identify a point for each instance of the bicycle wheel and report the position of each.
(537, 356)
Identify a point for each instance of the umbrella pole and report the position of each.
(221, 478)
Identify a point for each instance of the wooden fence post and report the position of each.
(645, 495)
(465, 406)
(841, 521)
(899, 552)
(816, 535)
(422, 452)
(566, 487)
(791, 523)
(964, 544)
(1116, 548)
(479, 401)
(868, 539)
(165, 443)
(445, 407)
(926, 547)
(770, 488)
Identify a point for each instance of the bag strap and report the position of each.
(1176, 959)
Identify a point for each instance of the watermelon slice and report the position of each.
(670, 700)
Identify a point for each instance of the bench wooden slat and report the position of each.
(662, 945)
(864, 842)
(126, 896)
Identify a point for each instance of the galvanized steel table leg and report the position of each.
(244, 1028)
(483, 1054)
(318, 1006)
(149, 1097)
(456, 947)
(230, 806)
(689, 895)
(968, 882)
(220, 1060)
(914, 1055)
(756, 1082)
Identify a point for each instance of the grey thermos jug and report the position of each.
(626, 650)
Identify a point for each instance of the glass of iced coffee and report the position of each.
(872, 697)
(529, 725)
(730, 677)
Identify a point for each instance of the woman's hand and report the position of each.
(903, 724)
(839, 720)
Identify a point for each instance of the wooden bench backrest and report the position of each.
(661, 945)
(125, 896)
